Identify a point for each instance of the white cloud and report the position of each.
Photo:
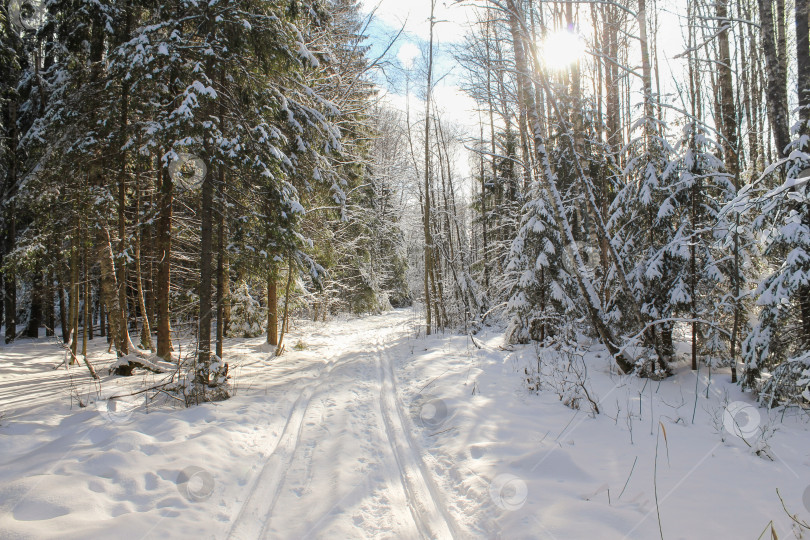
(415, 14)
(407, 53)
(458, 106)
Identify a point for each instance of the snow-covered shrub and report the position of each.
(247, 316)
(788, 383)
(561, 369)
(194, 391)
(714, 349)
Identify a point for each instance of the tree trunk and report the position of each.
(748, 82)
(120, 267)
(735, 329)
(484, 218)
(86, 310)
(74, 294)
(646, 70)
(803, 63)
(63, 314)
(146, 328)
(226, 301)
(776, 93)
(727, 104)
(109, 294)
(206, 273)
(102, 317)
(272, 304)
(803, 68)
(612, 103)
(50, 307)
(164, 247)
(10, 222)
(222, 283)
(9, 279)
(694, 100)
(35, 312)
(290, 269)
(426, 210)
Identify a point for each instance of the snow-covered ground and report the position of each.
(368, 429)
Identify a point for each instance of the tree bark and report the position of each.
(50, 307)
(102, 317)
(748, 89)
(63, 314)
(9, 279)
(803, 63)
(222, 264)
(164, 247)
(727, 104)
(146, 327)
(206, 274)
(86, 308)
(109, 293)
(121, 269)
(802, 17)
(35, 312)
(776, 93)
(290, 270)
(426, 210)
(272, 304)
(646, 71)
(613, 112)
(74, 294)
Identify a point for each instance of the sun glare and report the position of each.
(562, 48)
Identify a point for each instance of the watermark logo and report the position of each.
(741, 419)
(428, 411)
(26, 15)
(195, 484)
(116, 411)
(806, 498)
(188, 170)
(508, 492)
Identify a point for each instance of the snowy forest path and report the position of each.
(424, 498)
(345, 461)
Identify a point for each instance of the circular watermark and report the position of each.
(116, 411)
(806, 498)
(188, 170)
(429, 411)
(26, 15)
(741, 419)
(195, 483)
(508, 492)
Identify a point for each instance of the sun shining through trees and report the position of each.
(562, 48)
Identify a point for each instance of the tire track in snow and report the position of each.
(424, 500)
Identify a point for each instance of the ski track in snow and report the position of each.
(256, 511)
(423, 498)
(345, 403)
(326, 442)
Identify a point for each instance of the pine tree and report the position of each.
(247, 316)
